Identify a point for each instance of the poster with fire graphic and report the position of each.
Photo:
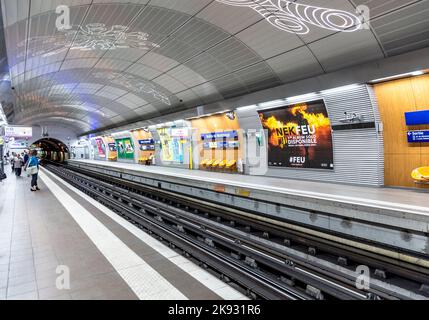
(299, 136)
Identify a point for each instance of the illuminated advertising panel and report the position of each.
(125, 148)
(180, 132)
(101, 147)
(299, 136)
(19, 132)
(172, 144)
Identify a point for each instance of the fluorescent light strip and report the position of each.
(253, 106)
(399, 76)
(302, 97)
(339, 89)
(271, 103)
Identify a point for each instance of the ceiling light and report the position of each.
(340, 89)
(304, 97)
(224, 111)
(253, 106)
(271, 103)
(398, 76)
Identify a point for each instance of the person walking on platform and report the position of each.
(26, 157)
(11, 159)
(18, 162)
(33, 170)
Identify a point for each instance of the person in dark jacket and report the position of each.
(26, 157)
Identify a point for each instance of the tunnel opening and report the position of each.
(50, 149)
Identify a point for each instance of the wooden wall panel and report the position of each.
(217, 123)
(141, 135)
(394, 99)
(421, 92)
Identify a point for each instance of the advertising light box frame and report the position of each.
(18, 132)
(321, 146)
(416, 118)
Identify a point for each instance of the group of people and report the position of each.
(27, 161)
(17, 162)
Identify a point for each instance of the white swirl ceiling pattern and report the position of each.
(294, 17)
(94, 36)
(133, 84)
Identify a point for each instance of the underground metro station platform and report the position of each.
(220, 151)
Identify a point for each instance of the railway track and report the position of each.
(262, 257)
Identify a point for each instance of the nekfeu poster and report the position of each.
(299, 136)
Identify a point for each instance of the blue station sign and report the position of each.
(147, 141)
(418, 136)
(220, 135)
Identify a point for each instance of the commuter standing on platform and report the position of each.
(33, 170)
(18, 163)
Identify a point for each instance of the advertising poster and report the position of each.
(172, 148)
(101, 148)
(299, 136)
(166, 145)
(125, 149)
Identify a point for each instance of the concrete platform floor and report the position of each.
(58, 231)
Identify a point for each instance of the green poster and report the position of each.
(125, 149)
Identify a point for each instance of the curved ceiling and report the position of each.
(131, 60)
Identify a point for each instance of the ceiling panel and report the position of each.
(231, 19)
(187, 76)
(267, 41)
(170, 83)
(383, 7)
(405, 29)
(295, 65)
(189, 7)
(158, 62)
(343, 49)
(143, 71)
